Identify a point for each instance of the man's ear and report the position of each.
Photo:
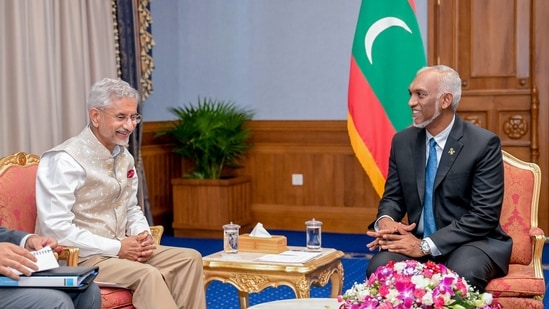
(94, 115)
(447, 100)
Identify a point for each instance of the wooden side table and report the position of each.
(248, 275)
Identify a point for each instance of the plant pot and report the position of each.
(202, 206)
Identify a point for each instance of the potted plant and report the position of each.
(213, 137)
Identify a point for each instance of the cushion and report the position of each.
(18, 205)
(116, 298)
(519, 282)
(516, 212)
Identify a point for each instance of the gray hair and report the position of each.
(449, 82)
(105, 90)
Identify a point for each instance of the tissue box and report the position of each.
(275, 244)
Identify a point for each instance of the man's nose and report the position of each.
(412, 101)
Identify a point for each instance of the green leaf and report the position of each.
(212, 134)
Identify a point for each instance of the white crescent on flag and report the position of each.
(376, 28)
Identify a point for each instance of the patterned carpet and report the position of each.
(225, 296)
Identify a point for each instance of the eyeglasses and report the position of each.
(135, 118)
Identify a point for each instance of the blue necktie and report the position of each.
(429, 226)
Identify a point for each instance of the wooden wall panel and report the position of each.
(489, 43)
(335, 188)
(540, 54)
(161, 165)
(334, 183)
(508, 115)
(488, 18)
(486, 41)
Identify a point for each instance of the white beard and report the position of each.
(427, 122)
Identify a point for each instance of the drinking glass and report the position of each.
(314, 234)
(230, 237)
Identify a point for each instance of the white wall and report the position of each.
(285, 59)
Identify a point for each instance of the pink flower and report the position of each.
(384, 290)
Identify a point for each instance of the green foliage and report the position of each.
(211, 134)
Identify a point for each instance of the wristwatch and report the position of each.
(424, 247)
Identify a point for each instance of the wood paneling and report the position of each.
(508, 115)
(540, 55)
(486, 41)
(335, 188)
(334, 183)
(161, 165)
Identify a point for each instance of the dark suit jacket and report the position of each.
(12, 236)
(468, 189)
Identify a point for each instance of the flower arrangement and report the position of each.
(411, 284)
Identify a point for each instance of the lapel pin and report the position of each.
(451, 151)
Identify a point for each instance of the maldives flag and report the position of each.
(387, 52)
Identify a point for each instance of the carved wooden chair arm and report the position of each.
(68, 254)
(538, 241)
(157, 231)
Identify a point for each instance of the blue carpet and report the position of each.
(225, 296)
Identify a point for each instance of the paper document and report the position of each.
(290, 256)
(45, 260)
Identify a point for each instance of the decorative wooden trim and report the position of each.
(534, 110)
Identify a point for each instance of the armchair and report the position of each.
(18, 211)
(524, 285)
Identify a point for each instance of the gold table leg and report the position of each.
(244, 301)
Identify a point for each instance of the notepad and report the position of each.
(290, 257)
(45, 260)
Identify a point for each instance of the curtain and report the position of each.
(135, 65)
(51, 52)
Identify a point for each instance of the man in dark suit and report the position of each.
(15, 254)
(459, 224)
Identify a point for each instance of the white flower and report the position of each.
(487, 298)
(420, 281)
(399, 266)
(361, 295)
(392, 297)
(427, 299)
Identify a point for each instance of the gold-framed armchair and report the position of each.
(524, 285)
(18, 211)
(18, 200)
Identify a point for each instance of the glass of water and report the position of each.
(230, 237)
(314, 234)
